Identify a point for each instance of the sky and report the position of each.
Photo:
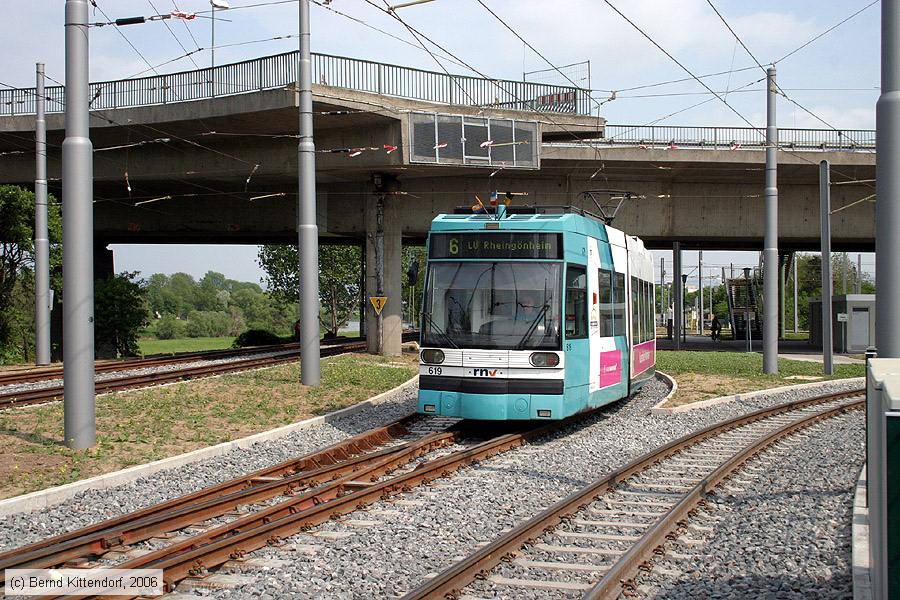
(833, 80)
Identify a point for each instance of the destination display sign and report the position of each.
(496, 245)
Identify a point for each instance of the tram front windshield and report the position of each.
(504, 305)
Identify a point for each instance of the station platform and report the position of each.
(790, 349)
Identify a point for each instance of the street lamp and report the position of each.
(221, 5)
(747, 311)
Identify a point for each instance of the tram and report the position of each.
(533, 313)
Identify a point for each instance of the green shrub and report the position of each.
(169, 328)
(256, 337)
(208, 323)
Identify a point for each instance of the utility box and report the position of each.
(883, 474)
(852, 322)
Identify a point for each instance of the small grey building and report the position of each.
(853, 335)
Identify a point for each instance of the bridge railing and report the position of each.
(280, 70)
(737, 138)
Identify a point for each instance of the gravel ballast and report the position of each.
(787, 534)
(431, 527)
(389, 547)
(96, 505)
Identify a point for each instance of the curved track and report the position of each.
(609, 530)
(266, 507)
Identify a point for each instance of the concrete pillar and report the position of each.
(392, 322)
(104, 265)
(782, 276)
(56, 329)
(679, 293)
(363, 293)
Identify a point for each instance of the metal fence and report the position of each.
(280, 70)
(738, 138)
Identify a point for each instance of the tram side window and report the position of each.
(619, 305)
(605, 298)
(642, 286)
(651, 311)
(647, 318)
(635, 310)
(640, 311)
(576, 303)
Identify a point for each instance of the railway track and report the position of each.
(26, 374)
(52, 393)
(239, 516)
(595, 542)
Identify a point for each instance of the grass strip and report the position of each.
(705, 375)
(140, 426)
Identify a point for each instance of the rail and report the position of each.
(280, 70)
(737, 138)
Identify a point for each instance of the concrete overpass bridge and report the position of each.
(210, 156)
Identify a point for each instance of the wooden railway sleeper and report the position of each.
(111, 541)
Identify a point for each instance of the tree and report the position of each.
(185, 289)
(17, 258)
(163, 301)
(120, 311)
(411, 255)
(338, 280)
(212, 293)
(809, 284)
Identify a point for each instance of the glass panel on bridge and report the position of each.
(477, 141)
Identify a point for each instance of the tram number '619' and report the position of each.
(435, 370)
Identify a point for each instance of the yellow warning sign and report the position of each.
(378, 303)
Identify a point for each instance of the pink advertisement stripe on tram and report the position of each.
(610, 368)
(643, 357)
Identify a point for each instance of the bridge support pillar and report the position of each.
(678, 284)
(104, 265)
(383, 265)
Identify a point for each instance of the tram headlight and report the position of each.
(544, 359)
(432, 356)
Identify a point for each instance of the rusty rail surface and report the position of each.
(341, 496)
(449, 582)
(48, 394)
(621, 575)
(32, 373)
(313, 467)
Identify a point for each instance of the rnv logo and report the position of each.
(484, 372)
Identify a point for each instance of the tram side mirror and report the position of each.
(412, 274)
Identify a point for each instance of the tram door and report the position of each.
(576, 343)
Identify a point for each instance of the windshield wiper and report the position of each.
(532, 327)
(439, 331)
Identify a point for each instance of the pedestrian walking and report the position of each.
(716, 329)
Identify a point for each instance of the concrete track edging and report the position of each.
(659, 409)
(50, 496)
(669, 381)
(862, 582)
